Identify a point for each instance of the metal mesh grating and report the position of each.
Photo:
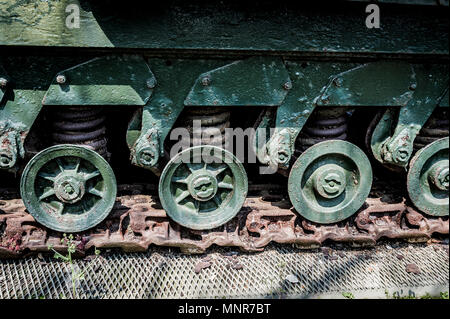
(162, 273)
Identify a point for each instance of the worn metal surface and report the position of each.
(110, 80)
(281, 271)
(138, 221)
(68, 188)
(428, 178)
(330, 181)
(308, 80)
(174, 81)
(22, 103)
(251, 82)
(203, 187)
(313, 29)
(416, 89)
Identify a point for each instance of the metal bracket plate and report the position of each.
(397, 147)
(110, 80)
(251, 82)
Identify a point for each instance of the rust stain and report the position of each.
(138, 221)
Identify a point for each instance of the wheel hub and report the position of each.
(428, 178)
(322, 175)
(329, 181)
(202, 185)
(439, 175)
(69, 189)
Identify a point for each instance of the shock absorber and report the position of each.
(324, 124)
(210, 120)
(80, 125)
(435, 128)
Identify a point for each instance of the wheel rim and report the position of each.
(330, 181)
(203, 187)
(428, 178)
(68, 188)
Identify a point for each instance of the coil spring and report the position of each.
(210, 119)
(435, 128)
(324, 124)
(80, 126)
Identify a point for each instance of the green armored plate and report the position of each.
(330, 181)
(68, 188)
(428, 178)
(203, 187)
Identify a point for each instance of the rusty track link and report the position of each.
(137, 221)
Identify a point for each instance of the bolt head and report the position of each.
(206, 81)
(287, 85)
(3, 82)
(151, 83)
(60, 79)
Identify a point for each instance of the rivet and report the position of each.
(151, 83)
(60, 79)
(287, 85)
(3, 82)
(206, 81)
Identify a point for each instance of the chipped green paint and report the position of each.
(42, 23)
(396, 148)
(308, 81)
(17, 114)
(276, 28)
(29, 79)
(110, 80)
(203, 187)
(251, 82)
(371, 84)
(175, 79)
(68, 188)
(428, 178)
(330, 181)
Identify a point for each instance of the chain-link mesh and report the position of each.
(279, 271)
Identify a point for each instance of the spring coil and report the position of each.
(435, 128)
(210, 119)
(80, 126)
(324, 124)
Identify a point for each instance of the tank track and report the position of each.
(137, 221)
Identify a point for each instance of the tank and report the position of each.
(189, 124)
